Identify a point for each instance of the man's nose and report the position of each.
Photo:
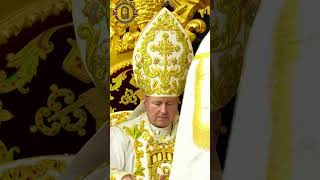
(163, 109)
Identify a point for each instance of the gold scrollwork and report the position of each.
(185, 9)
(112, 110)
(36, 171)
(58, 116)
(26, 62)
(158, 154)
(117, 81)
(122, 41)
(5, 115)
(119, 117)
(7, 155)
(33, 12)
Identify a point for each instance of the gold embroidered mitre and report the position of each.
(162, 56)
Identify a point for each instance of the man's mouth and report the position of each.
(163, 117)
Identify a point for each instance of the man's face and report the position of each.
(161, 111)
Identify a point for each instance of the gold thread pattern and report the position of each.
(7, 155)
(158, 154)
(136, 132)
(26, 62)
(36, 11)
(163, 72)
(129, 97)
(57, 116)
(5, 115)
(119, 117)
(36, 171)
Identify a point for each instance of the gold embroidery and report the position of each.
(32, 12)
(5, 115)
(112, 110)
(129, 97)
(136, 132)
(94, 60)
(133, 81)
(168, 76)
(159, 158)
(26, 62)
(60, 118)
(37, 171)
(117, 81)
(119, 117)
(7, 155)
(159, 154)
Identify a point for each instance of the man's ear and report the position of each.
(145, 99)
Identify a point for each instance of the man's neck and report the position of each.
(162, 130)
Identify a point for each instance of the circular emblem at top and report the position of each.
(125, 12)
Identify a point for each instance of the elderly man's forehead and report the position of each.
(162, 99)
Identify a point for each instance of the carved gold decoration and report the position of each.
(195, 26)
(22, 18)
(185, 9)
(147, 9)
(123, 41)
(7, 155)
(36, 171)
(5, 115)
(230, 29)
(125, 62)
(26, 62)
(162, 57)
(57, 116)
(72, 64)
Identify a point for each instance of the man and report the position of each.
(142, 147)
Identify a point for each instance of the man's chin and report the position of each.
(162, 122)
